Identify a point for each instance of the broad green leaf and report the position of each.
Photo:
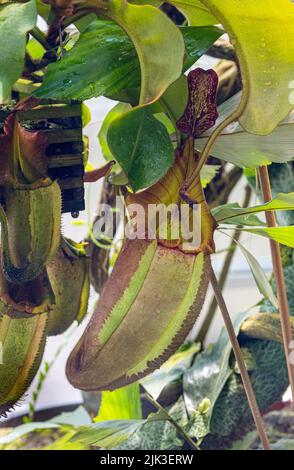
(281, 202)
(142, 147)
(266, 306)
(195, 12)
(155, 3)
(245, 219)
(174, 100)
(243, 149)
(245, 442)
(207, 174)
(197, 40)
(171, 370)
(78, 417)
(16, 19)
(163, 118)
(108, 434)
(283, 443)
(282, 180)
(35, 49)
(63, 441)
(122, 403)
(261, 280)
(171, 439)
(24, 429)
(43, 9)
(263, 35)
(205, 379)
(159, 434)
(104, 62)
(147, 437)
(158, 42)
(283, 235)
(117, 111)
(82, 23)
(159, 45)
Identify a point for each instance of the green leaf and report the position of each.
(35, 49)
(123, 403)
(261, 280)
(225, 212)
(207, 174)
(162, 117)
(281, 178)
(174, 100)
(117, 111)
(283, 444)
(82, 23)
(171, 370)
(246, 150)
(170, 438)
(142, 147)
(198, 40)
(16, 19)
(158, 42)
(24, 429)
(263, 35)
(108, 434)
(195, 12)
(246, 219)
(43, 9)
(245, 442)
(104, 62)
(77, 417)
(204, 381)
(283, 235)
(266, 306)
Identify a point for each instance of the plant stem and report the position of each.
(279, 276)
(41, 38)
(181, 431)
(211, 140)
(223, 276)
(77, 16)
(240, 361)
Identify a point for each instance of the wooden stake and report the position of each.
(241, 364)
(223, 275)
(279, 276)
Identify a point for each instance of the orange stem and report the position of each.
(279, 276)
